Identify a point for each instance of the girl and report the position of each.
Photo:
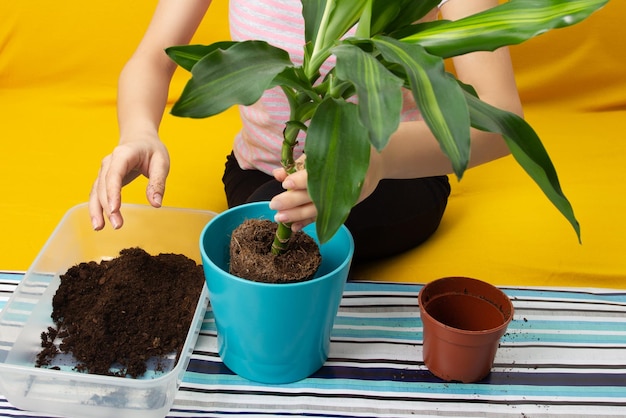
(406, 189)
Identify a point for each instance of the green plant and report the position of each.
(388, 52)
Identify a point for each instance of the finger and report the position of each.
(95, 208)
(99, 202)
(302, 214)
(290, 199)
(279, 174)
(120, 171)
(296, 181)
(293, 206)
(113, 182)
(157, 176)
(299, 226)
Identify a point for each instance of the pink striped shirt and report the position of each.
(280, 23)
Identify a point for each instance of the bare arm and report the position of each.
(144, 81)
(142, 96)
(413, 150)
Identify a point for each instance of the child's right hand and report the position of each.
(147, 157)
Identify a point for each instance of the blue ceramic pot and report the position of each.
(272, 333)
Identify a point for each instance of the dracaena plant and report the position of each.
(387, 53)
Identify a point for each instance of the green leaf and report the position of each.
(378, 90)
(337, 159)
(313, 12)
(510, 23)
(363, 29)
(187, 56)
(294, 79)
(223, 78)
(325, 23)
(526, 148)
(439, 98)
(390, 15)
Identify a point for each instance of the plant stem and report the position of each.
(302, 102)
(290, 139)
(281, 239)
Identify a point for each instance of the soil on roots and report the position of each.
(114, 315)
(251, 257)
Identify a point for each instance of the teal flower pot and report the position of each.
(272, 333)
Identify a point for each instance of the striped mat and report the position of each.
(564, 355)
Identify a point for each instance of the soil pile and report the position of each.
(121, 312)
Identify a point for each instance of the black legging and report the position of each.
(398, 216)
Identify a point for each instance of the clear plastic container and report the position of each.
(27, 314)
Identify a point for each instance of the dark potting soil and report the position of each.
(122, 312)
(251, 257)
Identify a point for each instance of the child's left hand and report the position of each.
(294, 205)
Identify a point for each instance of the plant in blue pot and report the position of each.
(351, 109)
(272, 332)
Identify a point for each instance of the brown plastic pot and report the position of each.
(463, 322)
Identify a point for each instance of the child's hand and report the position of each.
(127, 161)
(295, 205)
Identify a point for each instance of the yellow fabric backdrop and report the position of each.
(59, 64)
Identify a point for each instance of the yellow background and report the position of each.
(59, 63)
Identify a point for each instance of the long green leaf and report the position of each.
(238, 75)
(313, 12)
(439, 98)
(390, 15)
(364, 27)
(337, 153)
(187, 56)
(507, 24)
(378, 90)
(526, 148)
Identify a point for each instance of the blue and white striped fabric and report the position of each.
(564, 355)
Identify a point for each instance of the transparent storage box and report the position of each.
(27, 314)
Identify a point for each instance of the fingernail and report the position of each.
(280, 217)
(95, 224)
(274, 205)
(158, 199)
(114, 223)
(288, 184)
